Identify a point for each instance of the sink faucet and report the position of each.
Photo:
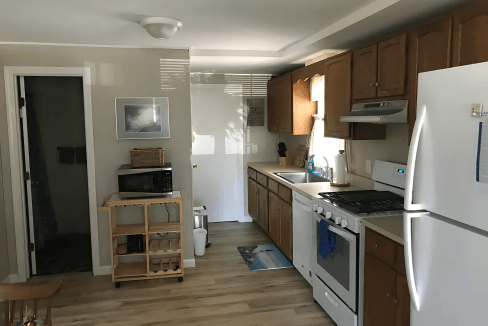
(324, 171)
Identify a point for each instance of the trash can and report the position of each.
(199, 241)
(200, 220)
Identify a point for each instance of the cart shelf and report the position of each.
(129, 229)
(153, 267)
(164, 227)
(130, 269)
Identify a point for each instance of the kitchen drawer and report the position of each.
(251, 173)
(381, 247)
(273, 186)
(262, 179)
(401, 260)
(284, 193)
(333, 306)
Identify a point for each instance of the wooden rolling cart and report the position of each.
(153, 267)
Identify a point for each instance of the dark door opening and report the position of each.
(55, 156)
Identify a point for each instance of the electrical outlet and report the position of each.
(254, 149)
(368, 166)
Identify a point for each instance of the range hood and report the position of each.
(379, 112)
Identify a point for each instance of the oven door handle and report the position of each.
(334, 229)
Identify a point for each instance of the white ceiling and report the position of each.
(231, 36)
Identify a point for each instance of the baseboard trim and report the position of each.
(12, 278)
(104, 270)
(189, 263)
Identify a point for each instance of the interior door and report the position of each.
(364, 72)
(337, 96)
(392, 59)
(27, 174)
(217, 152)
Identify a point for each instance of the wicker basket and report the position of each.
(146, 157)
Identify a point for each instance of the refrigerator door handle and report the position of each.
(412, 158)
(407, 229)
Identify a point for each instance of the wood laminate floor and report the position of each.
(221, 290)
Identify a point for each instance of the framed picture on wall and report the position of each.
(142, 117)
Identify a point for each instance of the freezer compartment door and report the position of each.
(450, 264)
(445, 170)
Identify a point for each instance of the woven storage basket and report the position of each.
(146, 157)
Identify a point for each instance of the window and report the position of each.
(321, 146)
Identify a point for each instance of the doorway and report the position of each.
(56, 178)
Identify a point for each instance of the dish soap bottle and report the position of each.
(311, 164)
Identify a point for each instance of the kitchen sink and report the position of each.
(301, 177)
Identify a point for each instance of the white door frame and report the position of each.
(16, 163)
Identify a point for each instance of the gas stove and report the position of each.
(364, 201)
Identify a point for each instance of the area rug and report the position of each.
(263, 257)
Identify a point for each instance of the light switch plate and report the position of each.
(476, 110)
(254, 149)
(368, 166)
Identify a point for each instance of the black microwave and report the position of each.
(145, 182)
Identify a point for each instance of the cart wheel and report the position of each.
(117, 285)
(180, 279)
(315, 301)
(207, 245)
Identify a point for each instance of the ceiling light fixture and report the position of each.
(161, 27)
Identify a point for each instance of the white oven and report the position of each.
(340, 269)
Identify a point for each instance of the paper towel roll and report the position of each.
(340, 169)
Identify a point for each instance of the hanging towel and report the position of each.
(327, 239)
(81, 155)
(66, 155)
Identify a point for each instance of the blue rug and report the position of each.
(263, 257)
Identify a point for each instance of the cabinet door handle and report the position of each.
(371, 84)
(377, 84)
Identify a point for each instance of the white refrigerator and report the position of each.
(446, 200)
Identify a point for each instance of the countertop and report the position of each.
(389, 226)
(309, 190)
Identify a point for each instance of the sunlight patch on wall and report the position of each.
(173, 72)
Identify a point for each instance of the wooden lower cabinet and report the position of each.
(274, 217)
(386, 295)
(403, 306)
(379, 293)
(262, 218)
(252, 198)
(286, 228)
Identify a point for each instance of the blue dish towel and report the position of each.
(327, 239)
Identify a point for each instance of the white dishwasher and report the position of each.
(302, 235)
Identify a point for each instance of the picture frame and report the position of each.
(142, 117)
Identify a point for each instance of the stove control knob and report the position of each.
(320, 210)
(315, 207)
(344, 223)
(337, 220)
(328, 215)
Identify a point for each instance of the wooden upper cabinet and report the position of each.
(285, 120)
(432, 46)
(392, 63)
(337, 95)
(470, 41)
(364, 72)
(303, 108)
(273, 90)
